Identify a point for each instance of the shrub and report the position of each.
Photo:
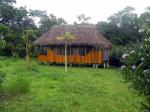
(18, 85)
(2, 77)
(137, 66)
(115, 55)
(14, 56)
(2, 58)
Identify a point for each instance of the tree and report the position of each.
(15, 21)
(137, 66)
(19, 19)
(145, 18)
(4, 32)
(67, 38)
(2, 45)
(121, 28)
(6, 11)
(38, 13)
(82, 19)
(46, 22)
(28, 36)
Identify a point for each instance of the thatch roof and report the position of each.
(84, 35)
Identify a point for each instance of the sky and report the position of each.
(98, 10)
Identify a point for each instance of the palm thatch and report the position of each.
(85, 35)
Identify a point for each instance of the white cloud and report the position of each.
(97, 9)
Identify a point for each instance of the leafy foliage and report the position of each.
(66, 37)
(28, 37)
(2, 44)
(46, 22)
(122, 27)
(82, 19)
(14, 21)
(2, 77)
(145, 18)
(137, 66)
(115, 55)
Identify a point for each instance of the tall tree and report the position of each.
(16, 20)
(67, 38)
(122, 27)
(4, 33)
(28, 36)
(145, 18)
(47, 22)
(82, 19)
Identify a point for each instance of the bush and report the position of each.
(137, 66)
(14, 56)
(18, 85)
(3, 57)
(2, 77)
(115, 55)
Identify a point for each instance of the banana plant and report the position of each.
(28, 36)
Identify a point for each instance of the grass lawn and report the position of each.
(81, 90)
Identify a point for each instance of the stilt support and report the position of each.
(104, 65)
(107, 64)
(70, 64)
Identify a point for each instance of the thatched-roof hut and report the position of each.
(89, 46)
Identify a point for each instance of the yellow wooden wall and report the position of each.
(93, 57)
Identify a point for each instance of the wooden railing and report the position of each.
(93, 57)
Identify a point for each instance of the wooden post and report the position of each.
(104, 65)
(70, 64)
(78, 48)
(85, 49)
(66, 58)
(96, 65)
(28, 59)
(107, 64)
(70, 58)
(93, 55)
(97, 52)
(85, 55)
(93, 65)
(56, 55)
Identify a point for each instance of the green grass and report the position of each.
(81, 90)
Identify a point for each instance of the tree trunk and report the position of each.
(28, 58)
(66, 58)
